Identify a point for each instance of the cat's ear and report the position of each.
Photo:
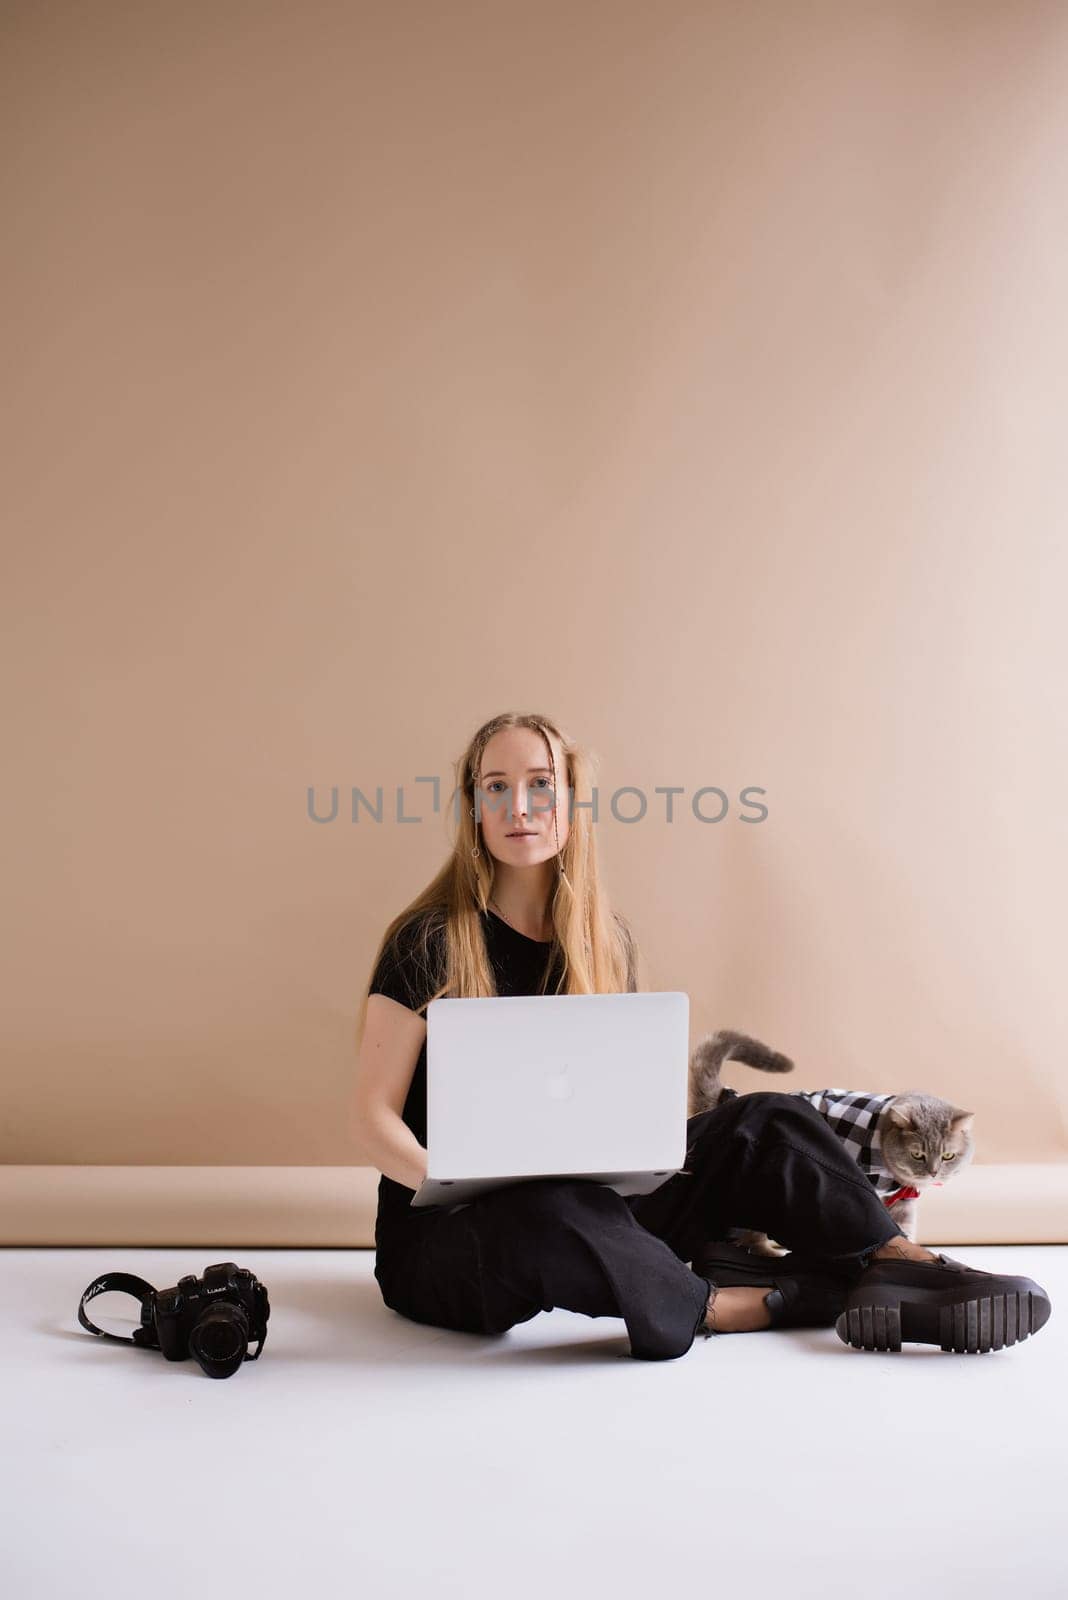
(899, 1113)
(961, 1120)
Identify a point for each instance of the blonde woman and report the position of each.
(518, 908)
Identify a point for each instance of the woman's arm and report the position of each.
(392, 1039)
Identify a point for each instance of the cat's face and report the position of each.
(926, 1140)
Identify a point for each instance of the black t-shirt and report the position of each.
(518, 965)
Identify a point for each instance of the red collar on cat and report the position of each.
(907, 1193)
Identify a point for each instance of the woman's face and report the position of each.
(514, 800)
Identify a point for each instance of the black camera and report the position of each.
(211, 1318)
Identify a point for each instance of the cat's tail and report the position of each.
(726, 1045)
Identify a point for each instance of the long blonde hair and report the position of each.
(592, 943)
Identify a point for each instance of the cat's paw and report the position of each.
(758, 1244)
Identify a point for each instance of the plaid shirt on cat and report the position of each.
(854, 1117)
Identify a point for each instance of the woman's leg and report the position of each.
(542, 1243)
(770, 1162)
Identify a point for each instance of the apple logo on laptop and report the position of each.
(558, 1084)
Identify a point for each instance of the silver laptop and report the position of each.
(573, 1085)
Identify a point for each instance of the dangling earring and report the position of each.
(476, 850)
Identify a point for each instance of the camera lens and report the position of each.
(220, 1339)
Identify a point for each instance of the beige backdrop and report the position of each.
(694, 373)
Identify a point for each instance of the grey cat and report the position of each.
(905, 1143)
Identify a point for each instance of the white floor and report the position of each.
(374, 1457)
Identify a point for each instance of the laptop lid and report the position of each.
(531, 1085)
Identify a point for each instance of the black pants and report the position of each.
(766, 1161)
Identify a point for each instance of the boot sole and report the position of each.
(969, 1325)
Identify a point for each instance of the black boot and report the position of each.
(943, 1302)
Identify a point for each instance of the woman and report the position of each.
(518, 908)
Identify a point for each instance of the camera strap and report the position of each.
(124, 1283)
